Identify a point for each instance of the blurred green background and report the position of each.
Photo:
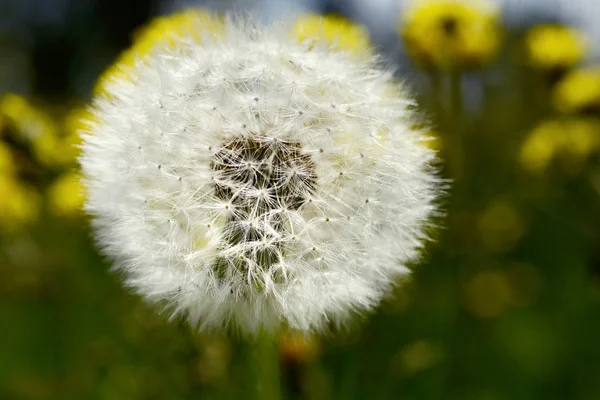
(504, 305)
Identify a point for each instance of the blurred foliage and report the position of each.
(504, 305)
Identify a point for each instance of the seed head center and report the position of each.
(281, 179)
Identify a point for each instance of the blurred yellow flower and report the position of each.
(434, 141)
(333, 30)
(538, 149)
(500, 226)
(554, 47)
(487, 294)
(578, 91)
(65, 195)
(52, 145)
(78, 119)
(32, 126)
(417, 356)
(451, 34)
(18, 112)
(299, 348)
(214, 356)
(581, 140)
(572, 139)
(6, 160)
(19, 204)
(37, 129)
(161, 31)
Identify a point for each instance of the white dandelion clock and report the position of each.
(257, 182)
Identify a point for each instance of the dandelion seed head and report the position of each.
(257, 217)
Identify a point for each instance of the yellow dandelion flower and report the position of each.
(6, 159)
(500, 226)
(578, 91)
(451, 34)
(540, 146)
(434, 141)
(27, 120)
(32, 126)
(65, 195)
(19, 204)
(581, 139)
(297, 347)
(417, 356)
(161, 31)
(18, 113)
(487, 294)
(77, 120)
(333, 30)
(571, 140)
(554, 47)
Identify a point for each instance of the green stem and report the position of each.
(264, 368)
(456, 98)
(435, 91)
(453, 119)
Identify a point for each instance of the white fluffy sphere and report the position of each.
(257, 182)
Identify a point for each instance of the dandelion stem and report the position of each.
(456, 99)
(264, 366)
(435, 91)
(452, 121)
